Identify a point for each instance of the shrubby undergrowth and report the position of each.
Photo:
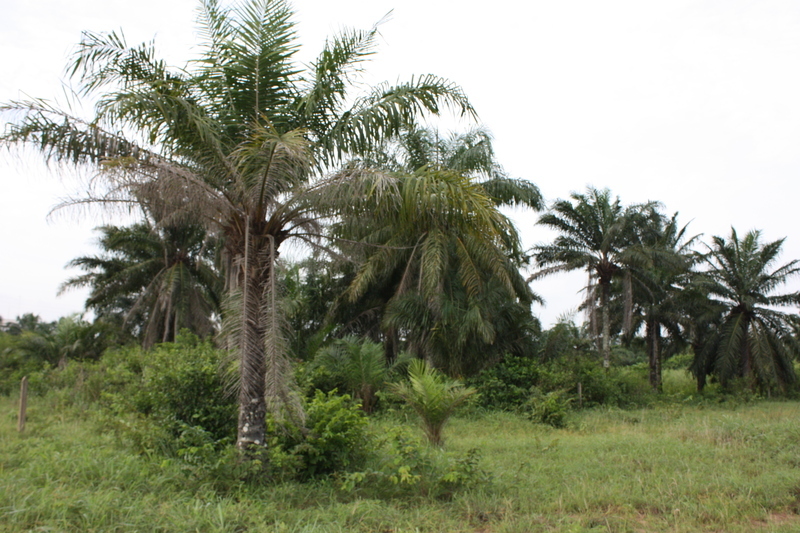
(548, 390)
(174, 405)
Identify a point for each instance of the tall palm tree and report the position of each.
(436, 245)
(438, 259)
(156, 279)
(664, 272)
(595, 234)
(234, 138)
(755, 341)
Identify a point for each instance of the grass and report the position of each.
(676, 467)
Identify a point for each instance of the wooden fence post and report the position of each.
(23, 404)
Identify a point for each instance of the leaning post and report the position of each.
(23, 404)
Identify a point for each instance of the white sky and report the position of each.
(693, 103)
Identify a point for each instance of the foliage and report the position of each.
(661, 301)
(507, 385)
(357, 367)
(403, 467)
(184, 385)
(153, 279)
(309, 287)
(31, 348)
(517, 381)
(180, 388)
(439, 263)
(549, 408)
(755, 342)
(596, 234)
(564, 339)
(336, 436)
(433, 396)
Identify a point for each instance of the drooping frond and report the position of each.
(386, 112)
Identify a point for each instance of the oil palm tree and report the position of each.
(755, 341)
(443, 258)
(156, 280)
(662, 275)
(433, 396)
(234, 139)
(596, 233)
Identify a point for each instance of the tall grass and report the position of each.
(677, 467)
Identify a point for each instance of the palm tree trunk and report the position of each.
(605, 288)
(659, 372)
(251, 432)
(653, 332)
(391, 344)
(747, 358)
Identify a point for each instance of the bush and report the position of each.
(157, 398)
(507, 385)
(433, 396)
(337, 434)
(549, 408)
(334, 439)
(355, 366)
(404, 467)
(510, 384)
(182, 385)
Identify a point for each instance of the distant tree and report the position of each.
(310, 287)
(755, 341)
(55, 344)
(564, 339)
(664, 272)
(436, 262)
(156, 279)
(28, 322)
(439, 264)
(595, 233)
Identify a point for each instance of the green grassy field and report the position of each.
(672, 468)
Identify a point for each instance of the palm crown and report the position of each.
(755, 341)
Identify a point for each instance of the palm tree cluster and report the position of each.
(239, 142)
(243, 150)
(645, 272)
(154, 280)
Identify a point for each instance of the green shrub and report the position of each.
(334, 438)
(156, 398)
(337, 434)
(404, 467)
(356, 366)
(507, 385)
(549, 408)
(16, 363)
(433, 396)
(182, 385)
(681, 361)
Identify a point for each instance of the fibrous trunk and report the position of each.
(606, 326)
(747, 358)
(654, 353)
(252, 365)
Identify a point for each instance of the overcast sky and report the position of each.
(692, 103)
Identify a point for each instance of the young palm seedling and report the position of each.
(433, 396)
